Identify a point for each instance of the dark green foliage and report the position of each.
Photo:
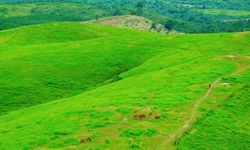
(139, 7)
(193, 16)
(153, 26)
(168, 24)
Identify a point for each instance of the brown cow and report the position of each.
(142, 116)
(157, 117)
(150, 114)
(82, 140)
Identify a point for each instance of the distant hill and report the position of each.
(134, 22)
(22, 14)
(189, 16)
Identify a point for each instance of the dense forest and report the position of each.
(191, 16)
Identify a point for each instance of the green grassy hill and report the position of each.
(119, 73)
(52, 61)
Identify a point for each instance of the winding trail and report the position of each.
(176, 135)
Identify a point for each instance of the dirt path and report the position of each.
(175, 136)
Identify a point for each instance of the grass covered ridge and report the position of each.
(52, 61)
(162, 74)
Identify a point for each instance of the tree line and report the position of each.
(184, 16)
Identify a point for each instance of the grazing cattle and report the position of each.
(150, 114)
(82, 140)
(89, 139)
(157, 117)
(141, 116)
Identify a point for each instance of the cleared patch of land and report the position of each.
(134, 22)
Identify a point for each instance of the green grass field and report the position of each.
(85, 79)
(226, 12)
(27, 13)
(16, 10)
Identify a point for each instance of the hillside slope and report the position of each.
(168, 81)
(46, 62)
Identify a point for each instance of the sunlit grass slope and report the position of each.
(166, 74)
(227, 126)
(46, 62)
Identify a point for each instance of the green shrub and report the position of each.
(133, 132)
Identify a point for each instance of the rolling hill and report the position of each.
(52, 61)
(86, 79)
